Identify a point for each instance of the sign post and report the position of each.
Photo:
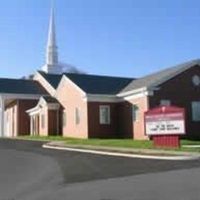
(165, 124)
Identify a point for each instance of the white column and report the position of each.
(2, 102)
(31, 125)
(35, 125)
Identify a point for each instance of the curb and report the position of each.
(128, 155)
(192, 146)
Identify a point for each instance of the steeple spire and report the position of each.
(52, 54)
(52, 65)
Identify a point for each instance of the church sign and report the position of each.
(165, 120)
(164, 124)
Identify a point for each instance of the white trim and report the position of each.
(53, 106)
(120, 154)
(132, 92)
(139, 95)
(41, 103)
(50, 106)
(115, 98)
(38, 77)
(153, 87)
(102, 98)
(33, 111)
(20, 96)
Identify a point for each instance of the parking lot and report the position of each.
(27, 171)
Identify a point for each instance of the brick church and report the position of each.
(91, 106)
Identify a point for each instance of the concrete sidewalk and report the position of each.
(124, 152)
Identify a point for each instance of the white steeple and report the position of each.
(52, 66)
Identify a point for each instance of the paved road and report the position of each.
(29, 172)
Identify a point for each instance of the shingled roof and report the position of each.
(53, 79)
(158, 78)
(108, 85)
(93, 84)
(21, 86)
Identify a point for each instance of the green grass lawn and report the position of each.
(190, 142)
(126, 143)
(122, 143)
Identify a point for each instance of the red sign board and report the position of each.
(165, 120)
(165, 124)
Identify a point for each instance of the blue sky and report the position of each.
(110, 37)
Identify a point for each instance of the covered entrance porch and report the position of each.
(45, 117)
(14, 120)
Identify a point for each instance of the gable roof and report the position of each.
(158, 78)
(50, 99)
(108, 85)
(20, 86)
(103, 85)
(52, 79)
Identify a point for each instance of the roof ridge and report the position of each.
(44, 73)
(160, 76)
(96, 75)
(17, 79)
(195, 61)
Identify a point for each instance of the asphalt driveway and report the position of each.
(27, 171)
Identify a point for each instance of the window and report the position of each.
(196, 80)
(135, 113)
(64, 118)
(77, 116)
(104, 112)
(165, 102)
(196, 111)
(42, 120)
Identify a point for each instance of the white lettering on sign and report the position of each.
(165, 127)
(165, 124)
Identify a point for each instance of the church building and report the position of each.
(53, 102)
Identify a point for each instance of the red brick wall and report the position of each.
(181, 91)
(122, 125)
(24, 120)
(125, 125)
(20, 121)
(97, 130)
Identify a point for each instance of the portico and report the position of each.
(11, 104)
(45, 117)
